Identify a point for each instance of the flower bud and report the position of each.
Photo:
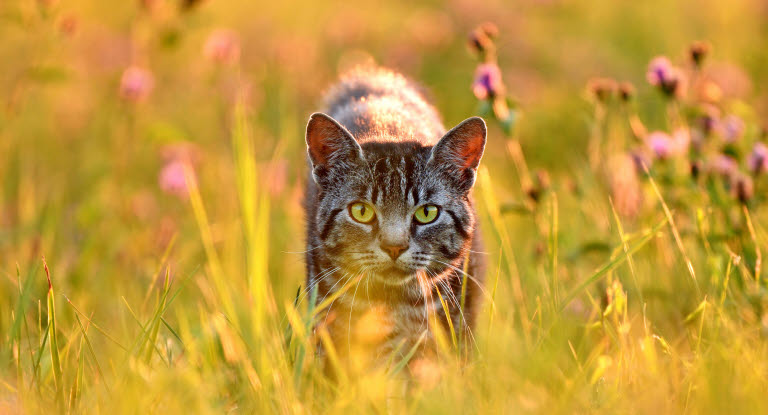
(626, 91)
(698, 52)
(601, 89)
(744, 188)
(758, 159)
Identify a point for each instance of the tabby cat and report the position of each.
(390, 218)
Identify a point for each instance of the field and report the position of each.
(152, 164)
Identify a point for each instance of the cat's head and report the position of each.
(392, 211)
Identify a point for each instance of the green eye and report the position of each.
(361, 212)
(426, 214)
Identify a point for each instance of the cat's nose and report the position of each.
(394, 250)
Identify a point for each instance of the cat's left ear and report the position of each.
(330, 145)
(459, 152)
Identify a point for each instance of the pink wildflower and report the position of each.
(136, 84)
(173, 178)
(487, 82)
(222, 46)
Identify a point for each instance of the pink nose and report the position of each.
(394, 251)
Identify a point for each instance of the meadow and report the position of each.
(152, 163)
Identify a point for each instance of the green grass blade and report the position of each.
(612, 264)
(54, 343)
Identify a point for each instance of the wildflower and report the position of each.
(136, 84)
(670, 79)
(487, 84)
(733, 128)
(602, 89)
(664, 146)
(222, 46)
(661, 144)
(724, 165)
(173, 178)
(698, 52)
(709, 119)
(659, 70)
(758, 159)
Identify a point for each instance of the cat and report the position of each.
(390, 216)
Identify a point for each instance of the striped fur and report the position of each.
(382, 143)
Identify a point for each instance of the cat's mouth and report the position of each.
(395, 274)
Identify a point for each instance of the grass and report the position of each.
(154, 302)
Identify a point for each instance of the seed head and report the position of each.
(626, 91)
(481, 38)
(699, 51)
(602, 89)
(743, 187)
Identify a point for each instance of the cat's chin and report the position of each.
(396, 276)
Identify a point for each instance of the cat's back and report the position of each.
(378, 104)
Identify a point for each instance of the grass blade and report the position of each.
(54, 343)
(612, 264)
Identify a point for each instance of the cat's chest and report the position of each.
(377, 327)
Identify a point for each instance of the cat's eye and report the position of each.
(426, 214)
(361, 212)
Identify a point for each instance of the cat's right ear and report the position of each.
(330, 145)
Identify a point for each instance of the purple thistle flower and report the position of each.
(661, 144)
(173, 179)
(659, 70)
(487, 83)
(670, 79)
(733, 128)
(136, 84)
(724, 165)
(758, 159)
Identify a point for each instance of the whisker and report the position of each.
(452, 296)
(349, 324)
(301, 252)
(475, 280)
(319, 278)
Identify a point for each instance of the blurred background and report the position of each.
(75, 143)
(109, 108)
